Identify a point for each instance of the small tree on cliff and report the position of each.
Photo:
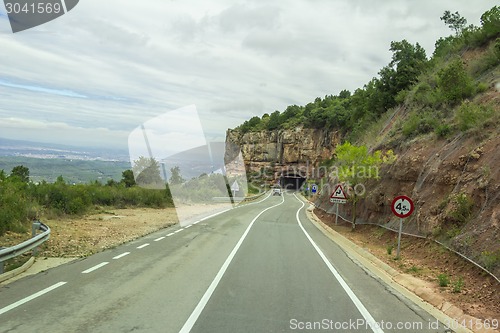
(355, 165)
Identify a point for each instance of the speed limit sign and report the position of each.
(402, 206)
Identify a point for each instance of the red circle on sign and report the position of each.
(397, 207)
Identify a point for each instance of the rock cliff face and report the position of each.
(302, 148)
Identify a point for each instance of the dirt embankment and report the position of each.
(469, 288)
(82, 236)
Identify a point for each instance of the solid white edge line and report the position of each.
(31, 297)
(121, 255)
(188, 325)
(91, 269)
(143, 246)
(159, 239)
(364, 312)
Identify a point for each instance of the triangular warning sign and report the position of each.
(338, 193)
(235, 187)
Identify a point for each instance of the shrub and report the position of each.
(458, 285)
(419, 123)
(490, 259)
(454, 83)
(463, 208)
(443, 280)
(489, 60)
(443, 130)
(470, 115)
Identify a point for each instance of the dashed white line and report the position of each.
(188, 226)
(178, 231)
(170, 234)
(159, 239)
(31, 297)
(143, 246)
(121, 255)
(91, 269)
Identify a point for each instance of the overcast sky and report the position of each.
(93, 75)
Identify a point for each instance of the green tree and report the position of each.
(147, 171)
(20, 173)
(409, 61)
(454, 82)
(128, 178)
(490, 22)
(274, 121)
(454, 21)
(175, 176)
(355, 164)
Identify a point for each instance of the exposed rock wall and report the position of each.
(300, 147)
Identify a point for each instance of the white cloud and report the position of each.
(136, 60)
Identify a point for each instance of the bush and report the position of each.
(14, 207)
(443, 280)
(443, 130)
(454, 83)
(458, 285)
(463, 208)
(419, 123)
(470, 115)
(490, 259)
(489, 60)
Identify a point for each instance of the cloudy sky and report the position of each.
(92, 76)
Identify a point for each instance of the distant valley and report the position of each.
(75, 164)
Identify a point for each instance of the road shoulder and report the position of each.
(416, 290)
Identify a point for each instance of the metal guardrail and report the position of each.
(31, 244)
(238, 199)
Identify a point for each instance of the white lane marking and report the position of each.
(31, 297)
(170, 234)
(188, 325)
(159, 239)
(188, 226)
(364, 312)
(91, 269)
(121, 255)
(178, 231)
(143, 246)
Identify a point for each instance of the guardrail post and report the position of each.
(1, 262)
(34, 227)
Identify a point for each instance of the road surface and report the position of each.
(262, 267)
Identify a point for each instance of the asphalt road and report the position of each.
(262, 267)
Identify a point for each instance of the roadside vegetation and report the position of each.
(22, 201)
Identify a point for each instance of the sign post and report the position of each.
(338, 196)
(402, 206)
